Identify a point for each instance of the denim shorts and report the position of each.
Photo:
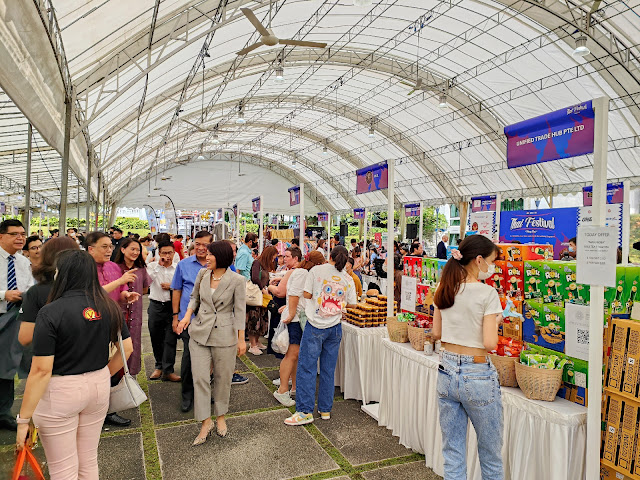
(295, 333)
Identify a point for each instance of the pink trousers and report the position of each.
(69, 418)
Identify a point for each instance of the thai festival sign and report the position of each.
(358, 213)
(565, 133)
(151, 218)
(294, 195)
(551, 226)
(372, 178)
(412, 210)
(255, 204)
(615, 194)
(488, 203)
(323, 216)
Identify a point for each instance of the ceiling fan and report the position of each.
(165, 178)
(268, 37)
(573, 168)
(414, 87)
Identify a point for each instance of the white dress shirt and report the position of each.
(160, 275)
(24, 278)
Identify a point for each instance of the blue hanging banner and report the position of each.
(615, 194)
(255, 204)
(488, 203)
(412, 210)
(294, 195)
(323, 216)
(358, 213)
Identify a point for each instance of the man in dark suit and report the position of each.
(441, 250)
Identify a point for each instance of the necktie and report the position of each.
(12, 283)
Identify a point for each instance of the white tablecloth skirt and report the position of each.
(359, 366)
(542, 440)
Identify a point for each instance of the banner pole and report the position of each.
(261, 226)
(421, 225)
(328, 235)
(302, 244)
(390, 234)
(626, 221)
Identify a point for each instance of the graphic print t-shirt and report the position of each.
(331, 291)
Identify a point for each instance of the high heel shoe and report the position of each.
(222, 433)
(200, 440)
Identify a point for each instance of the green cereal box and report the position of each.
(573, 292)
(631, 285)
(532, 280)
(552, 283)
(614, 296)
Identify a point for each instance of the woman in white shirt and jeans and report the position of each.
(466, 317)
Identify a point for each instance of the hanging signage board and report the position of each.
(488, 203)
(596, 256)
(372, 178)
(482, 223)
(294, 195)
(170, 217)
(551, 226)
(615, 194)
(255, 204)
(565, 133)
(323, 217)
(412, 210)
(3, 208)
(358, 213)
(15, 211)
(613, 218)
(151, 218)
(235, 210)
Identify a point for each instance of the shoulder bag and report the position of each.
(253, 295)
(127, 393)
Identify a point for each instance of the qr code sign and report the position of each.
(582, 336)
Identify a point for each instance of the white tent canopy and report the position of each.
(144, 75)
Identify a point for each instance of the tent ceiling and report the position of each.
(498, 62)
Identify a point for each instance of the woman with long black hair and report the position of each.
(67, 391)
(466, 317)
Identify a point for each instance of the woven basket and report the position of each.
(506, 367)
(538, 383)
(398, 331)
(417, 337)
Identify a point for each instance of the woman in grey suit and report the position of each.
(216, 335)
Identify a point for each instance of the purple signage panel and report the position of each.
(235, 210)
(487, 203)
(561, 134)
(615, 194)
(412, 210)
(255, 204)
(358, 213)
(372, 178)
(294, 195)
(323, 217)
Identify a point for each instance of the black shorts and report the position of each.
(295, 333)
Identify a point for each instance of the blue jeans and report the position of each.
(468, 390)
(323, 344)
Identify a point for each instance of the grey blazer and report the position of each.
(221, 313)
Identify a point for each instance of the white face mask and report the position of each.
(491, 269)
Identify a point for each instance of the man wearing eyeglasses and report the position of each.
(15, 278)
(31, 250)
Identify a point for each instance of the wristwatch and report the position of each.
(22, 421)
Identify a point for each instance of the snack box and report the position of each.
(544, 325)
(609, 473)
(405, 267)
(572, 291)
(631, 286)
(414, 267)
(513, 273)
(497, 279)
(622, 375)
(536, 252)
(614, 296)
(429, 271)
(510, 252)
(532, 280)
(440, 266)
(620, 419)
(512, 328)
(552, 285)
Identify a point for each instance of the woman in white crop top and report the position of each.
(466, 317)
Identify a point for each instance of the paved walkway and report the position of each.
(259, 446)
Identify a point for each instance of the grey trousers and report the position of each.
(224, 363)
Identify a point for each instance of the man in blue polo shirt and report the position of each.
(182, 286)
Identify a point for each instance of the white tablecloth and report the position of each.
(359, 366)
(542, 440)
(381, 282)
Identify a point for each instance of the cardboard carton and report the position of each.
(497, 279)
(512, 328)
(612, 417)
(552, 284)
(631, 286)
(544, 325)
(610, 473)
(514, 279)
(510, 252)
(532, 280)
(536, 252)
(622, 375)
(613, 296)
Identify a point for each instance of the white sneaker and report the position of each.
(255, 351)
(276, 382)
(284, 398)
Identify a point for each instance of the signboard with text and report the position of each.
(487, 203)
(615, 194)
(412, 210)
(372, 178)
(294, 195)
(255, 204)
(358, 213)
(323, 217)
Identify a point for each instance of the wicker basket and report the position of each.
(417, 337)
(398, 331)
(506, 367)
(538, 383)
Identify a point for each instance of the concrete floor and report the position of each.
(259, 446)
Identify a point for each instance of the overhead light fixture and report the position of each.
(215, 140)
(442, 100)
(240, 120)
(325, 151)
(362, 3)
(372, 132)
(1, 194)
(581, 47)
(279, 75)
(200, 157)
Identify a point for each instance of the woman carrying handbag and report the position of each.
(258, 317)
(67, 391)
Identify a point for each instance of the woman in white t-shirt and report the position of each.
(328, 289)
(466, 317)
(291, 315)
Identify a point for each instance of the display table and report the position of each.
(542, 440)
(359, 366)
(381, 282)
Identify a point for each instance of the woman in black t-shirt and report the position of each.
(67, 391)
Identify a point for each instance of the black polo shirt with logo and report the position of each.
(75, 333)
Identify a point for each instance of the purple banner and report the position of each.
(561, 134)
(358, 213)
(323, 217)
(412, 210)
(255, 204)
(294, 195)
(615, 194)
(235, 210)
(487, 203)
(372, 178)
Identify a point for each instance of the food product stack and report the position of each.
(370, 313)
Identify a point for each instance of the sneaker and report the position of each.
(292, 392)
(299, 418)
(262, 347)
(276, 382)
(238, 379)
(284, 398)
(325, 415)
(255, 351)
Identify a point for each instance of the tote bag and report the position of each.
(127, 393)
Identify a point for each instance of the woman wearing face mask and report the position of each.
(466, 317)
